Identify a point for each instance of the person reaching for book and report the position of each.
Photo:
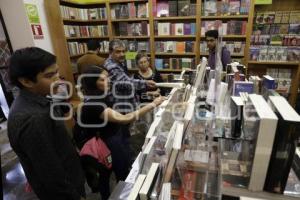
(212, 37)
(98, 118)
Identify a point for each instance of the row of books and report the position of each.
(264, 29)
(174, 46)
(225, 7)
(76, 48)
(278, 17)
(167, 28)
(234, 47)
(172, 8)
(274, 53)
(85, 31)
(232, 27)
(132, 29)
(129, 10)
(174, 63)
(137, 46)
(282, 79)
(83, 14)
(282, 40)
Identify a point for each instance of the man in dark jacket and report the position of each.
(212, 39)
(45, 151)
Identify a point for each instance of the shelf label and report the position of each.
(260, 2)
(130, 55)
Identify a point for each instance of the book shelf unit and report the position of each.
(60, 41)
(260, 67)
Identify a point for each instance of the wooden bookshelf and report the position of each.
(130, 20)
(175, 18)
(84, 21)
(132, 37)
(175, 54)
(232, 55)
(79, 55)
(174, 36)
(231, 36)
(274, 63)
(225, 17)
(75, 3)
(60, 42)
(126, 1)
(86, 38)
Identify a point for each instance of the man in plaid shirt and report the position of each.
(123, 86)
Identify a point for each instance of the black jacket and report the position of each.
(50, 161)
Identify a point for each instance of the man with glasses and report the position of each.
(212, 39)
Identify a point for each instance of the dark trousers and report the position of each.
(118, 145)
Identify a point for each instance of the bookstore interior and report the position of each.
(229, 127)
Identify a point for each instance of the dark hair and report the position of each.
(93, 45)
(116, 43)
(139, 56)
(27, 63)
(89, 83)
(212, 33)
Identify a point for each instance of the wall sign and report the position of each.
(261, 2)
(34, 20)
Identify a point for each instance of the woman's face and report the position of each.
(103, 82)
(143, 63)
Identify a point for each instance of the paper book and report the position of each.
(178, 136)
(121, 191)
(142, 10)
(234, 7)
(173, 8)
(165, 192)
(170, 85)
(149, 145)
(266, 123)
(152, 128)
(162, 9)
(210, 7)
(242, 86)
(163, 28)
(145, 190)
(136, 187)
(179, 29)
(183, 7)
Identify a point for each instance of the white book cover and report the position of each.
(178, 136)
(136, 188)
(179, 29)
(287, 112)
(165, 192)
(152, 128)
(264, 141)
(150, 178)
(149, 145)
(164, 28)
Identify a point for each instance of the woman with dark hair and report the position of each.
(146, 73)
(98, 118)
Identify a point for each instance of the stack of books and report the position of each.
(232, 27)
(172, 8)
(129, 10)
(174, 63)
(234, 47)
(83, 14)
(174, 46)
(167, 28)
(225, 7)
(135, 46)
(276, 36)
(76, 48)
(133, 29)
(85, 31)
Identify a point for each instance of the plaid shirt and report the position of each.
(124, 87)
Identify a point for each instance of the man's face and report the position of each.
(211, 43)
(118, 54)
(45, 79)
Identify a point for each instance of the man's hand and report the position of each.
(157, 101)
(151, 84)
